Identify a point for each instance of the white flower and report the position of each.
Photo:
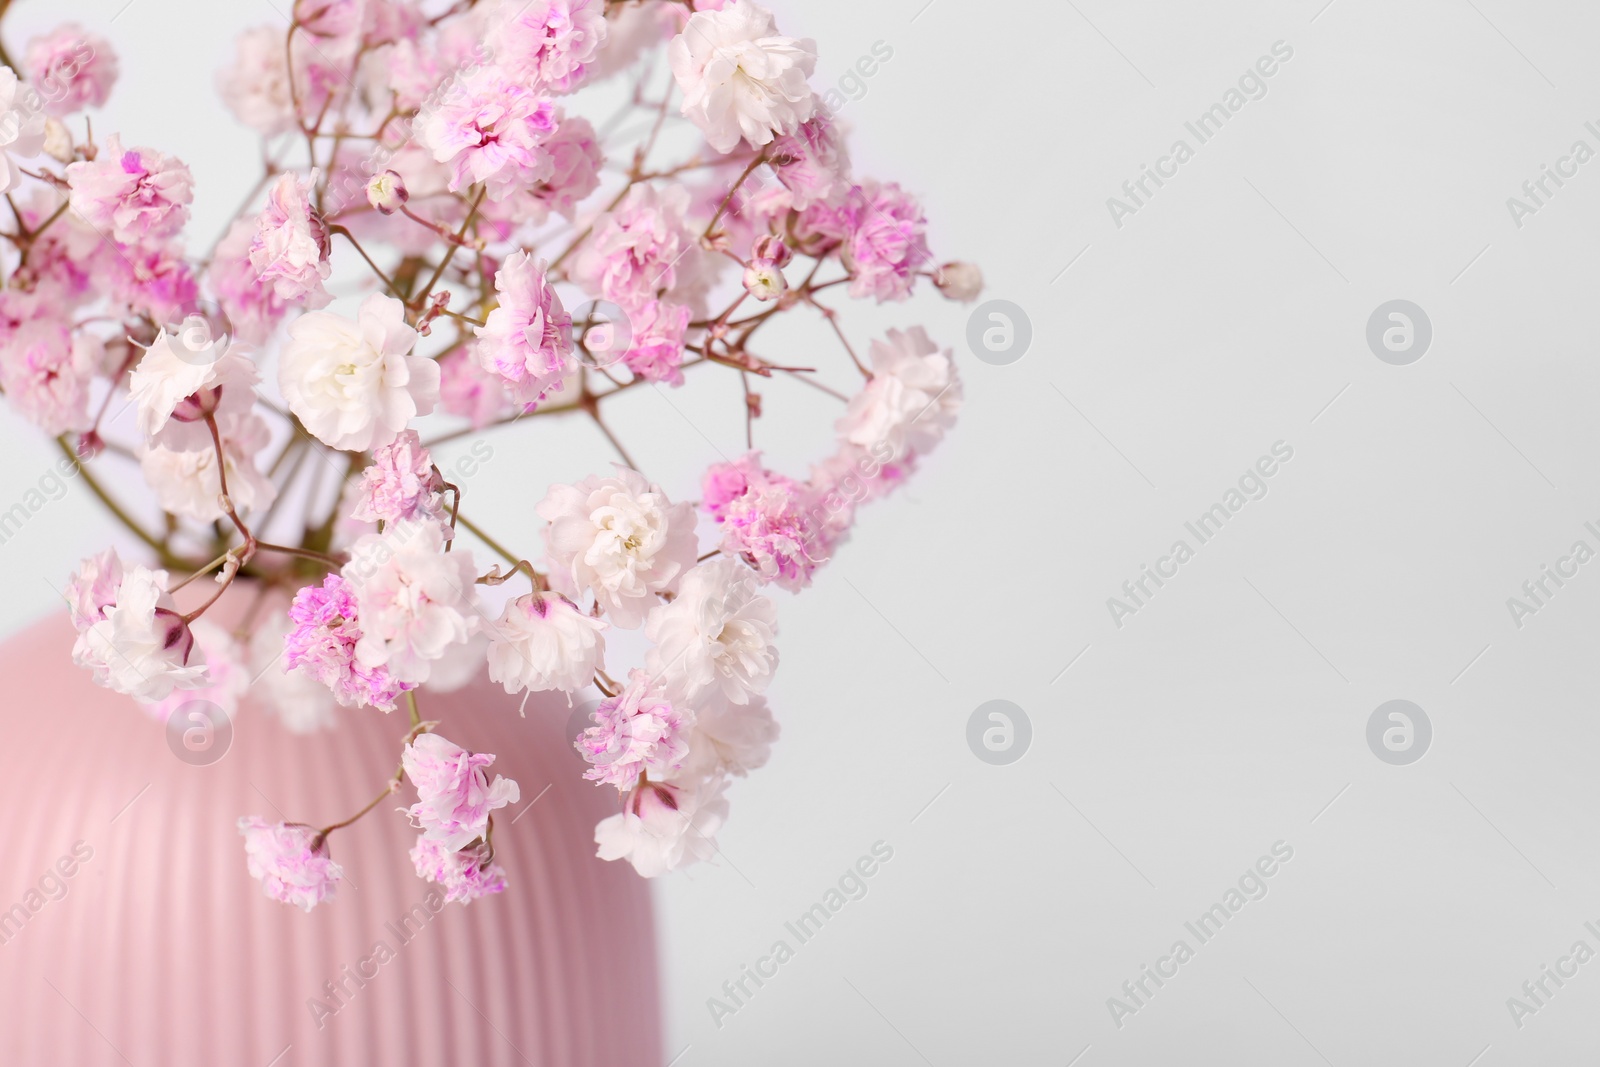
(911, 400)
(715, 635)
(543, 642)
(728, 739)
(297, 698)
(739, 78)
(141, 646)
(22, 127)
(226, 676)
(353, 384)
(663, 827)
(415, 599)
(619, 537)
(185, 376)
(186, 483)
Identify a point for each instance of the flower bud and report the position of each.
(387, 191)
(959, 281)
(771, 249)
(58, 142)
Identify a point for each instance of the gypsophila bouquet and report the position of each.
(514, 260)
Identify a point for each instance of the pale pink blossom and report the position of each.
(491, 130)
(551, 42)
(887, 243)
(290, 247)
(728, 738)
(468, 390)
(255, 85)
(576, 159)
(465, 876)
(185, 481)
(765, 519)
(46, 372)
(93, 588)
(527, 339)
(133, 195)
(140, 645)
(813, 162)
(253, 309)
(71, 68)
(665, 826)
(415, 599)
(911, 401)
(619, 538)
(400, 483)
(715, 636)
(152, 280)
(356, 385)
(290, 860)
(543, 642)
(454, 796)
(641, 248)
(740, 78)
(326, 627)
(655, 346)
(637, 731)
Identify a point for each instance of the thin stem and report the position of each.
(438, 271)
(388, 791)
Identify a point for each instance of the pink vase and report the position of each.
(130, 931)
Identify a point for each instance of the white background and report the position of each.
(1227, 714)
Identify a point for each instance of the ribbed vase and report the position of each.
(132, 933)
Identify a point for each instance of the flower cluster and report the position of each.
(516, 261)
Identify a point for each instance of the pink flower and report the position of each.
(327, 626)
(93, 588)
(290, 860)
(45, 372)
(766, 520)
(636, 731)
(468, 390)
(400, 483)
(575, 166)
(153, 280)
(813, 162)
(253, 309)
(466, 875)
(133, 195)
(527, 340)
(553, 42)
(71, 69)
(491, 129)
(290, 248)
(640, 248)
(887, 243)
(910, 402)
(655, 350)
(255, 85)
(454, 796)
